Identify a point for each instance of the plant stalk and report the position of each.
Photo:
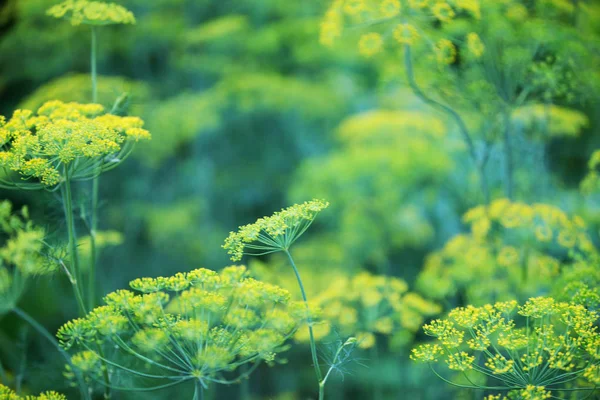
(198, 390)
(95, 185)
(43, 332)
(313, 345)
(508, 156)
(462, 126)
(75, 271)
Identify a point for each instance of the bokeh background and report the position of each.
(250, 113)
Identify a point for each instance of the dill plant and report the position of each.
(483, 63)
(62, 143)
(198, 327)
(512, 250)
(8, 394)
(376, 150)
(93, 14)
(530, 351)
(24, 255)
(274, 234)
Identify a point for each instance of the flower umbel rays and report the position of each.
(198, 326)
(275, 233)
(531, 351)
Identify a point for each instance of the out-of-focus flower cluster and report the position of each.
(8, 394)
(23, 254)
(367, 305)
(77, 88)
(543, 120)
(88, 12)
(363, 305)
(405, 22)
(541, 347)
(274, 233)
(378, 150)
(65, 141)
(196, 325)
(591, 182)
(513, 249)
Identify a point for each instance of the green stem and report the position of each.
(245, 384)
(93, 248)
(198, 390)
(508, 156)
(43, 332)
(93, 67)
(313, 345)
(75, 271)
(95, 185)
(377, 395)
(462, 126)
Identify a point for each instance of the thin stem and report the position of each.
(94, 72)
(76, 273)
(93, 249)
(43, 332)
(244, 385)
(508, 156)
(198, 390)
(462, 127)
(95, 185)
(313, 346)
(331, 367)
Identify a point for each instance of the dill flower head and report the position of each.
(406, 34)
(65, 141)
(443, 11)
(7, 393)
(370, 44)
(88, 12)
(445, 52)
(274, 233)
(201, 325)
(532, 349)
(475, 45)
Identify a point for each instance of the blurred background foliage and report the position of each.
(249, 112)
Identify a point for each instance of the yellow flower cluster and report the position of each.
(91, 12)
(65, 141)
(543, 120)
(23, 253)
(533, 351)
(190, 326)
(367, 305)
(513, 249)
(402, 22)
(8, 394)
(274, 233)
(378, 149)
(591, 183)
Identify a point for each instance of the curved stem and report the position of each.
(43, 332)
(313, 346)
(462, 127)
